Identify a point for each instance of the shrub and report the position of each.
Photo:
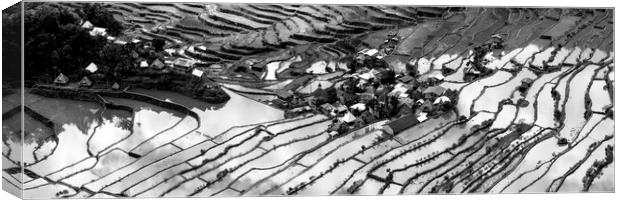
(523, 103)
(562, 141)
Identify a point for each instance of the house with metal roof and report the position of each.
(92, 67)
(396, 126)
(87, 25)
(157, 64)
(98, 31)
(434, 91)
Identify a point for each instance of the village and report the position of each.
(372, 92)
(207, 99)
(150, 66)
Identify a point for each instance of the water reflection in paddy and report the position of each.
(153, 126)
(216, 118)
(82, 127)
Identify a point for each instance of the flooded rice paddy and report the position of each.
(544, 138)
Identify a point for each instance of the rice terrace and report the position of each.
(205, 99)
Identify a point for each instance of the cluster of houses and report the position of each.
(166, 63)
(91, 71)
(414, 98)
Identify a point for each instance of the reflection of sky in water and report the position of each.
(237, 111)
(71, 148)
(216, 118)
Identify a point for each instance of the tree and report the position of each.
(523, 103)
(101, 17)
(54, 42)
(53, 38)
(387, 77)
(329, 96)
(115, 57)
(342, 129)
(159, 43)
(11, 45)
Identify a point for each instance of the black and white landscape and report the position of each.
(195, 99)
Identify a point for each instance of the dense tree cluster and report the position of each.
(11, 45)
(595, 171)
(99, 16)
(54, 41)
(206, 90)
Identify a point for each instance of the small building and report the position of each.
(98, 31)
(279, 103)
(366, 76)
(406, 79)
(197, 73)
(116, 86)
(400, 90)
(434, 91)
(120, 42)
(92, 68)
(61, 79)
(441, 100)
(371, 52)
(170, 51)
(301, 109)
(439, 77)
(144, 64)
(183, 63)
(527, 81)
(400, 124)
(328, 108)
(341, 108)
(359, 106)
(87, 25)
(422, 117)
(348, 117)
(85, 82)
(157, 64)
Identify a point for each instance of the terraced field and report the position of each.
(548, 137)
